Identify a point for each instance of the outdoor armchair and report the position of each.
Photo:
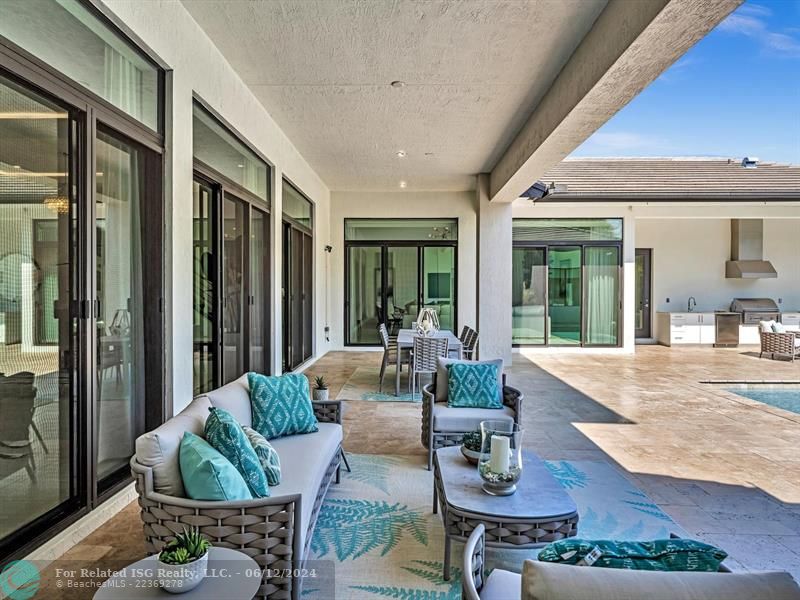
(780, 343)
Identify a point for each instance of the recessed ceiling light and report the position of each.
(398, 84)
(240, 166)
(16, 167)
(429, 154)
(403, 184)
(401, 154)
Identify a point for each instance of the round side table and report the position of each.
(231, 575)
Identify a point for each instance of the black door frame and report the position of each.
(222, 187)
(385, 245)
(647, 294)
(546, 245)
(86, 113)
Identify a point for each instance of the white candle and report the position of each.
(499, 455)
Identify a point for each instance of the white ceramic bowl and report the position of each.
(177, 579)
(471, 456)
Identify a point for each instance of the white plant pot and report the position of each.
(321, 395)
(177, 579)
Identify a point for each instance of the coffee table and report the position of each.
(238, 578)
(538, 513)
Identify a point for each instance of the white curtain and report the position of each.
(602, 294)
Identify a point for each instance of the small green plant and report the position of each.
(185, 548)
(472, 440)
(320, 383)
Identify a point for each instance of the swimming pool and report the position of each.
(785, 396)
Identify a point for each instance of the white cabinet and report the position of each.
(791, 320)
(686, 328)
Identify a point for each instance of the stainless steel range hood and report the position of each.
(747, 249)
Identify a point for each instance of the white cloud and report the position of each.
(750, 20)
(620, 143)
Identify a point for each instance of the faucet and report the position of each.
(690, 305)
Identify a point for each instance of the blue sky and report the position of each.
(735, 93)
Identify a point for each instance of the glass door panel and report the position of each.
(402, 288)
(296, 296)
(308, 297)
(233, 274)
(204, 286)
(438, 283)
(120, 352)
(529, 296)
(259, 286)
(37, 284)
(363, 301)
(643, 291)
(564, 301)
(601, 272)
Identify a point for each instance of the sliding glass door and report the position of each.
(388, 283)
(38, 321)
(298, 278)
(565, 292)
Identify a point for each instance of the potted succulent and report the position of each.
(320, 389)
(471, 446)
(183, 562)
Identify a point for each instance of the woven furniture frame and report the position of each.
(779, 343)
(469, 341)
(500, 532)
(391, 353)
(425, 357)
(433, 440)
(263, 528)
(472, 568)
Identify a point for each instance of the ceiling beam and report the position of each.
(630, 44)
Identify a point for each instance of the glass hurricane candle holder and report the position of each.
(500, 462)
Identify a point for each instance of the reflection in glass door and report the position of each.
(564, 295)
(643, 282)
(204, 287)
(38, 350)
(602, 304)
(402, 288)
(439, 282)
(529, 296)
(233, 281)
(363, 302)
(259, 291)
(120, 366)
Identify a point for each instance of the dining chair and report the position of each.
(469, 342)
(424, 357)
(391, 353)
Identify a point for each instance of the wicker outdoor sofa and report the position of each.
(275, 531)
(444, 426)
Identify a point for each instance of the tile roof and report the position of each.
(672, 178)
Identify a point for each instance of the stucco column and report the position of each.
(494, 274)
(276, 271)
(629, 283)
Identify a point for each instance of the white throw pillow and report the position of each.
(766, 326)
(779, 328)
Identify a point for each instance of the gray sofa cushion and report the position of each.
(449, 419)
(159, 449)
(550, 581)
(502, 585)
(304, 460)
(235, 398)
(442, 378)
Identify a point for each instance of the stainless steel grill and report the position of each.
(754, 310)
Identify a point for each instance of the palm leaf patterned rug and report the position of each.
(378, 530)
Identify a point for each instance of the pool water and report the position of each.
(785, 396)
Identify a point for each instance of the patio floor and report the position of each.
(727, 469)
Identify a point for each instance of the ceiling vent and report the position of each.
(750, 162)
(747, 249)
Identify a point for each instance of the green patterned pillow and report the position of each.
(473, 385)
(267, 455)
(225, 435)
(281, 405)
(660, 555)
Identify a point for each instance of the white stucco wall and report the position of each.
(198, 67)
(386, 205)
(689, 260)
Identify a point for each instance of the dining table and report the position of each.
(405, 341)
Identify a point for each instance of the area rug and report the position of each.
(378, 537)
(363, 385)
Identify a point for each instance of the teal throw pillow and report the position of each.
(267, 455)
(281, 405)
(473, 385)
(225, 435)
(206, 474)
(660, 555)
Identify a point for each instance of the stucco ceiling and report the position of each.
(474, 71)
